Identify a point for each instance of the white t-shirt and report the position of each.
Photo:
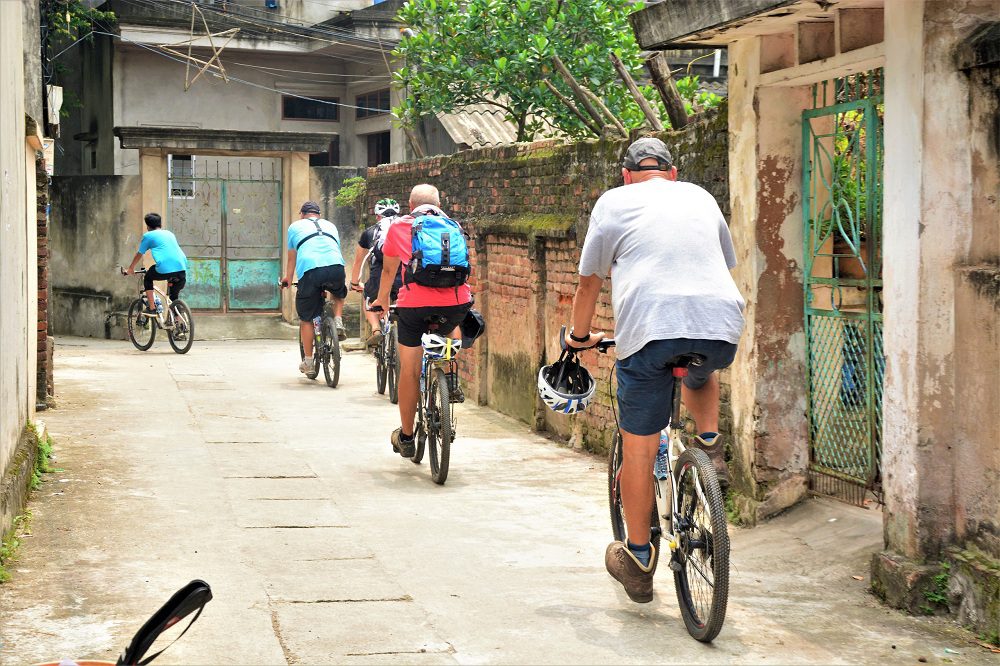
(668, 251)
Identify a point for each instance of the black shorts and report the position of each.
(309, 297)
(175, 281)
(372, 286)
(412, 322)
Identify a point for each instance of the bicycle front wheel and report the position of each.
(381, 370)
(181, 336)
(392, 365)
(701, 561)
(618, 526)
(331, 353)
(141, 329)
(440, 432)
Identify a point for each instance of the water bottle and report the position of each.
(660, 466)
(159, 303)
(316, 323)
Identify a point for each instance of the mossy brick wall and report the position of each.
(527, 207)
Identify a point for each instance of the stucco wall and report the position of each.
(95, 226)
(18, 258)
(527, 207)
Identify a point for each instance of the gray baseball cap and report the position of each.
(645, 148)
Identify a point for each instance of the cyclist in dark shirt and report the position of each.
(370, 248)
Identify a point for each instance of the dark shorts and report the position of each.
(412, 322)
(175, 281)
(309, 297)
(645, 379)
(372, 285)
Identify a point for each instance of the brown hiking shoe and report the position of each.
(717, 454)
(623, 566)
(401, 446)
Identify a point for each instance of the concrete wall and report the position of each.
(96, 224)
(18, 262)
(527, 207)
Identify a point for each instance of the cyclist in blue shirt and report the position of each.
(169, 260)
(314, 255)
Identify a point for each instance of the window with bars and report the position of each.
(318, 108)
(373, 104)
(181, 176)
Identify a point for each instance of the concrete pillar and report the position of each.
(770, 446)
(940, 457)
(295, 174)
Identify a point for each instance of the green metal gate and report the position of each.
(226, 213)
(842, 182)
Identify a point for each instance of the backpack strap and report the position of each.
(319, 232)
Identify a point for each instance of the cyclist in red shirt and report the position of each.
(415, 304)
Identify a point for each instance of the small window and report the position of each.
(181, 176)
(373, 104)
(318, 108)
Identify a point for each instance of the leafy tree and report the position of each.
(499, 52)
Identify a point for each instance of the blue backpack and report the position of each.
(440, 254)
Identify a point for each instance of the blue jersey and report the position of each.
(320, 250)
(167, 254)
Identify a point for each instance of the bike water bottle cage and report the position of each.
(319, 232)
(439, 347)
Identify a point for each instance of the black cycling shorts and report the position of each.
(309, 297)
(412, 322)
(372, 286)
(175, 281)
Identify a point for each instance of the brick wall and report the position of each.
(44, 375)
(527, 207)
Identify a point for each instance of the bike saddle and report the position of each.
(685, 360)
(173, 280)
(433, 321)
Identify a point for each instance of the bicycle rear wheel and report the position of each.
(302, 355)
(701, 561)
(331, 352)
(181, 336)
(392, 365)
(439, 434)
(420, 443)
(618, 526)
(141, 329)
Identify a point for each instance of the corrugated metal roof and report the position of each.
(478, 125)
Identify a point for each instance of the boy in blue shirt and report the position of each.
(169, 261)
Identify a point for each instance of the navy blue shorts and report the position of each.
(645, 380)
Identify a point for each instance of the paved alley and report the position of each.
(322, 546)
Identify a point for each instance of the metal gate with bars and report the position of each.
(842, 182)
(226, 214)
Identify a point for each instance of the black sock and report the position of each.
(403, 436)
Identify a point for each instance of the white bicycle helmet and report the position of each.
(440, 347)
(566, 386)
(386, 207)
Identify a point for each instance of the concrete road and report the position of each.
(322, 546)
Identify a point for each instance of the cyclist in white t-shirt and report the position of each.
(370, 246)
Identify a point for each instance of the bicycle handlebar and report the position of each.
(137, 271)
(602, 346)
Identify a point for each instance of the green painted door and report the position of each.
(226, 213)
(842, 185)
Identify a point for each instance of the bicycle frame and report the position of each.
(674, 450)
(164, 319)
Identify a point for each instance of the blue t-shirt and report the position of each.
(167, 254)
(317, 251)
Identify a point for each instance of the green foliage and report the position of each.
(11, 542)
(70, 20)
(499, 52)
(937, 594)
(352, 190)
(42, 462)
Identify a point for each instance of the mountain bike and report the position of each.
(386, 361)
(688, 514)
(326, 347)
(172, 316)
(440, 388)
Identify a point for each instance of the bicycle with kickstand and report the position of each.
(688, 514)
(172, 316)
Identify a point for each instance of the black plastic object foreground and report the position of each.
(190, 598)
